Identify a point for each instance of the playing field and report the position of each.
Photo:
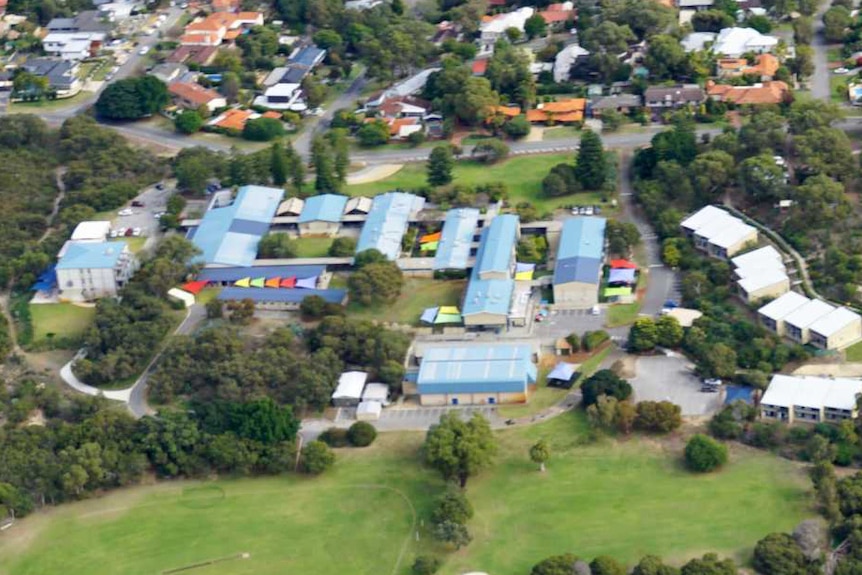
(61, 320)
(624, 499)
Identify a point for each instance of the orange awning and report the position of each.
(435, 237)
(272, 282)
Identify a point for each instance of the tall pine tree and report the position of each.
(590, 168)
(296, 167)
(341, 147)
(322, 157)
(278, 165)
(440, 165)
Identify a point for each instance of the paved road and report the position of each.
(819, 81)
(317, 124)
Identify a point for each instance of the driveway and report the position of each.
(672, 378)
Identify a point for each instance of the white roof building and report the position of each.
(95, 231)
(377, 392)
(350, 386)
(282, 97)
(810, 398)
(368, 411)
(728, 235)
(807, 314)
(565, 59)
(833, 322)
(496, 27)
(762, 257)
(697, 41)
(759, 281)
(734, 42)
(702, 218)
(780, 308)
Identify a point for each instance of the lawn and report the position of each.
(522, 175)
(622, 314)
(624, 499)
(417, 294)
(135, 244)
(60, 319)
(312, 247)
(854, 352)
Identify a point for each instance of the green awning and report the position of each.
(448, 318)
(258, 282)
(617, 291)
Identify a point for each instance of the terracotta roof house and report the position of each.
(225, 5)
(765, 67)
(193, 96)
(233, 119)
(201, 55)
(775, 92)
(562, 111)
(479, 66)
(218, 27)
(556, 15)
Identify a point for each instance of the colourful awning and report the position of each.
(617, 291)
(288, 282)
(449, 309)
(428, 315)
(273, 282)
(426, 239)
(522, 276)
(194, 288)
(307, 283)
(429, 247)
(447, 318)
(258, 282)
(244, 282)
(623, 264)
(621, 275)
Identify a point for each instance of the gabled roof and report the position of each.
(582, 237)
(808, 313)
(774, 92)
(453, 251)
(834, 321)
(92, 255)
(498, 243)
(194, 93)
(387, 221)
(350, 385)
(578, 269)
(323, 208)
(491, 367)
(783, 306)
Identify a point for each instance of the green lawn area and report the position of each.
(417, 294)
(854, 352)
(624, 499)
(28, 107)
(135, 244)
(312, 247)
(61, 319)
(207, 295)
(622, 314)
(838, 88)
(522, 175)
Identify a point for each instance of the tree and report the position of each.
(703, 454)
(802, 63)
(836, 20)
(605, 565)
(643, 335)
(490, 151)
(761, 179)
(316, 457)
(376, 284)
(341, 146)
(665, 58)
(605, 382)
(622, 237)
(132, 98)
(668, 331)
(658, 416)
(718, 361)
(709, 564)
(556, 565)
(425, 565)
(535, 26)
(554, 186)
(188, 122)
(803, 31)
(342, 247)
(373, 134)
(518, 127)
(229, 86)
(760, 23)
(826, 150)
(440, 165)
(807, 114)
(458, 448)
(812, 538)
(590, 165)
(276, 245)
(454, 533)
(711, 21)
(778, 554)
(367, 257)
(322, 158)
(279, 164)
(361, 434)
(474, 101)
(603, 413)
(452, 506)
(540, 452)
(711, 172)
(263, 129)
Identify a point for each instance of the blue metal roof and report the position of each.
(308, 56)
(586, 270)
(491, 368)
(498, 244)
(323, 208)
(281, 295)
(91, 255)
(232, 274)
(387, 221)
(453, 251)
(582, 237)
(230, 235)
(487, 296)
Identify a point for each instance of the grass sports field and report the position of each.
(522, 175)
(624, 499)
(417, 294)
(60, 319)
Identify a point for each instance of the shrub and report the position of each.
(658, 416)
(426, 565)
(593, 339)
(703, 453)
(335, 437)
(361, 434)
(317, 457)
(263, 129)
(605, 382)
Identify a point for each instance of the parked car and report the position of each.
(136, 232)
(113, 233)
(143, 51)
(597, 210)
(137, 204)
(595, 310)
(841, 71)
(129, 232)
(588, 211)
(125, 212)
(121, 232)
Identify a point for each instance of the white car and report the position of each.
(121, 232)
(589, 210)
(136, 232)
(143, 51)
(595, 310)
(841, 71)
(125, 212)
(113, 233)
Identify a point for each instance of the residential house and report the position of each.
(761, 274)
(167, 72)
(854, 93)
(282, 97)
(200, 55)
(658, 98)
(697, 41)
(219, 27)
(565, 61)
(192, 96)
(407, 87)
(234, 119)
(718, 233)
(772, 315)
(836, 329)
(73, 46)
(493, 28)
(560, 112)
(479, 66)
(622, 103)
(225, 5)
(764, 68)
(62, 75)
(86, 21)
(558, 14)
(688, 8)
(91, 270)
(735, 42)
(773, 92)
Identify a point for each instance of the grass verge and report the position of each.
(622, 314)
(417, 294)
(312, 247)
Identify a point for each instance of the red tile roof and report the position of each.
(193, 93)
(479, 67)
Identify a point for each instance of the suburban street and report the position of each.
(317, 124)
(819, 81)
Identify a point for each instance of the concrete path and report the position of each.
(371, 174)
(79, 386)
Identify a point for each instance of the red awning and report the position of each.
(288, 282)
(623, 264)
(195, 288)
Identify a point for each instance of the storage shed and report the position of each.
(349, 390)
